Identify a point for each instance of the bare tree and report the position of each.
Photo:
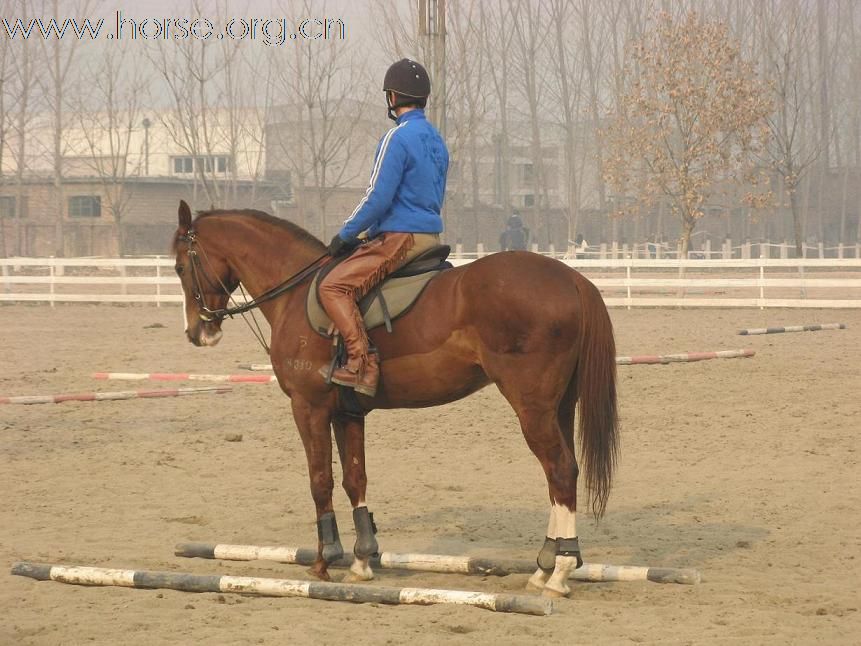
(468, 67)
(568, 82)
(529, 26)
(5, 119)
(21, 84)
(321, 96)
(200, 78)
(855, 96)
(108, 116)
(60, 56)
(497, 34)
(791, 149)
(688, 122)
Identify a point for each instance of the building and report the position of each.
(119, 186)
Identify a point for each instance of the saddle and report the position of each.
(390, 299)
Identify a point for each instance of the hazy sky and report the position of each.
(357, 16)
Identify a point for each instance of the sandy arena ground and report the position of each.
(746, 469)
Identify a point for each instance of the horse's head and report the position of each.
(207, 281)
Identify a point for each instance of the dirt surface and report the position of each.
(746, 469)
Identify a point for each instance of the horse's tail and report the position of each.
(595, 379)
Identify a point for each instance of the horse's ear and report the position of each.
(184, 216)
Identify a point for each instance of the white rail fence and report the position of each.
(703, 250)
(629, 282)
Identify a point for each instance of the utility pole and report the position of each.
(432, 36)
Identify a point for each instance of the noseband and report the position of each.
(208, 315)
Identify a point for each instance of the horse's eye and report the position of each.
(179, 269)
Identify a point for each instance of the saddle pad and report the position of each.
(399, 294)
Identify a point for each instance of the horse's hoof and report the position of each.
(535, 585)
(359, 571)
(323, 576)
(550, 593)
(537, 581)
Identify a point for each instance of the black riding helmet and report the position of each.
(410, 81)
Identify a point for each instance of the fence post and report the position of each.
(784, 250)
(628, 282)
(761, 277)
(552, 251)
(745, 250)
(479, 250)
(603, 255)
(708, 249)
(6, 288)
(614, 250)
(52, 274)
(821, 249)
(458, 250)
(534, 247)
(840, 250)
(157, 281)
(125, 289)
(625, 250)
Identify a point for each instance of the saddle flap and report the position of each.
(399, 293)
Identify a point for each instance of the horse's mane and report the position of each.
(294, 229)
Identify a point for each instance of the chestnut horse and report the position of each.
(531, 325)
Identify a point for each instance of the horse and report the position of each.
(529, 324)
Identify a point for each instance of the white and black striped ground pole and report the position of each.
(265, 587)
(684, 357)
(438, 563)
(792, 328)
(115, 395)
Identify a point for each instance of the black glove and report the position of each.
(340, 247)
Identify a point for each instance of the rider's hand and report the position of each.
(340, 247)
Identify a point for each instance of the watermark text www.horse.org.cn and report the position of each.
(269, 31)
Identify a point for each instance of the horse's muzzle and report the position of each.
(201, 337)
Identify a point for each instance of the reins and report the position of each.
(208, 315)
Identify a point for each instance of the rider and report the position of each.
(516, 236)
(400, 214)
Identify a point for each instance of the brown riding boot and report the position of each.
(364, 380)
(362, 371)
(369, 377)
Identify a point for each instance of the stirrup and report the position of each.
(354, 380)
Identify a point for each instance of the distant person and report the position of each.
(516, 236)
(581, 246)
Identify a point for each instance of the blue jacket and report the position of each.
(407, 182)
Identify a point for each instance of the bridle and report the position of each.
(208, 315)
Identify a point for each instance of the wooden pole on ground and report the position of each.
(436, 563)
(265, 587)
(115, 395)
(183, 376)
(793, 328)
(684, 357)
